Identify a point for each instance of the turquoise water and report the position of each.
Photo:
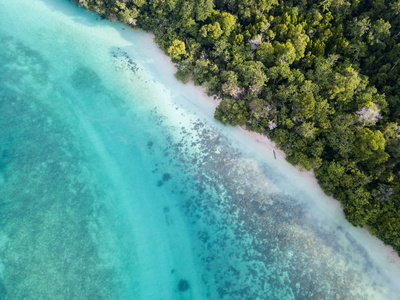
(116, 183)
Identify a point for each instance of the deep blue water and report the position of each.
(116, 183)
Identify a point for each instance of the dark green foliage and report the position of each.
(322, 78)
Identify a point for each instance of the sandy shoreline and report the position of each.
(270, 146)
(264, 140)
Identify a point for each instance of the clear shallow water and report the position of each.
(116, 183)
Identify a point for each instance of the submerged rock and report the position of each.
(166, 176)
(183, 285)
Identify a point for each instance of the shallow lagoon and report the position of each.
(116, 182)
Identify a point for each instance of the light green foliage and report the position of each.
(304, 104)
(265, 6)
(296, 34)
(139, 3)
(307, 130)
(211, 31)
(285, 53)
(128, 16)
(370, 144)
(379, 32)
(227, 22)
(392, 130)
(359, 27)
(395, 6)
(177, 50)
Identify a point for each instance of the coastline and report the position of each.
(270, 147)
(265, 141)
(262, 139)
(138, 157)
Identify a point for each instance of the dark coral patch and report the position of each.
(183, 285)
(166, 177)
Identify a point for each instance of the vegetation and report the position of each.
(321, 78)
